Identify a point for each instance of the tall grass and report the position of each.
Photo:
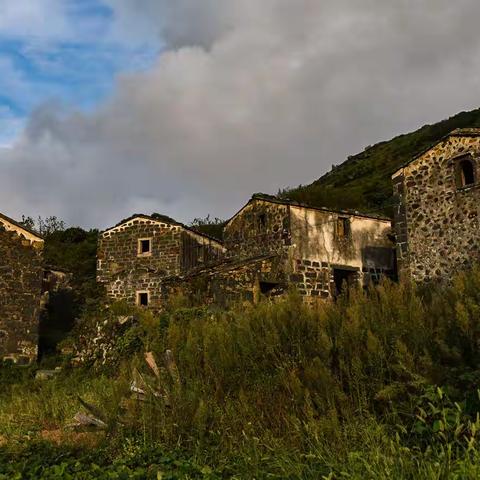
(346, 390)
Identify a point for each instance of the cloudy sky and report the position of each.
(187, 107)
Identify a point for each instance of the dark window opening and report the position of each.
(268, 287)
(343, 279)
(262, 220)
(142, 299)
(144, 246)
(467, 173)
(343, 227)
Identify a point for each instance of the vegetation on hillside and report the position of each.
(382, 384)
(363, 181)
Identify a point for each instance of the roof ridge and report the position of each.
(274, 199)
(20, 225)
(162, 219)
(467, 131)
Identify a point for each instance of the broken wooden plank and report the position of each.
(152, 363)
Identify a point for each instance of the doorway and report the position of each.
(343, 279)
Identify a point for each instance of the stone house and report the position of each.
(273, 244)
(136, 255)
(437, 208)
(21, 277)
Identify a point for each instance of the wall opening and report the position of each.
(143, 299)
(342, 228)
(467, 173)
(262, 220)
(269, 288)
(343, 279)
(144, 246)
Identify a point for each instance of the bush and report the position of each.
(381, 384)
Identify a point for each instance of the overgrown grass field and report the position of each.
(381, 384)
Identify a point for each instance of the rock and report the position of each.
(46, 374)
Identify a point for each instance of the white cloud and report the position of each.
(247, 96)
(34, 18)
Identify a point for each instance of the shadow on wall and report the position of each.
(378, 256)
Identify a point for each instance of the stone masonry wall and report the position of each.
(262, 227)
(124, 272)
(441, 219)
(232, 282)
(312, 279)
(21, 274)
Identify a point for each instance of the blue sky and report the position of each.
(71, 57)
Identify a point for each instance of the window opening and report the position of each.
(262, 220)
(268, 287)
(467, 174)
(144, 246)
(143, 299)
(343, 227)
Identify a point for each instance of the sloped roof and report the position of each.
(158, 218)
(269, 198)
(18, 226)
(459, 132)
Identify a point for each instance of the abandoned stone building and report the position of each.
(273, 244)
(135, 256)
(269, 245)
(437, 208)
(21, 277)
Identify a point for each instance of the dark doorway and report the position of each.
(343, 279)
(270, 288)
(56, 321)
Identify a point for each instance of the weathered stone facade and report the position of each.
(273, 245)
(231, 281)
(21, 276)
(320, 248)
(270, 245)
(136, 255)
(437, 212)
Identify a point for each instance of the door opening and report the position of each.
(343, 279)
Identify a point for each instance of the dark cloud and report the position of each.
(248, 96)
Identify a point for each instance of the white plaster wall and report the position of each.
(313, 237)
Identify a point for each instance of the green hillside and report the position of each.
(363, 181)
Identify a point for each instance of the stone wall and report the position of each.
(21, 275)
(315, 245)
(271, 245)
(124, 272)
(232, 282)
(436, 219)
(261, 227)
(312, 278)
(174, 250)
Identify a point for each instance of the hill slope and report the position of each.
(363, 182)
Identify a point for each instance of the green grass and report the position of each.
(382, 384)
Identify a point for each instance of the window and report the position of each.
(466, 173)
(262, 220)
(143, 299)
(343, 227)
(144, 247)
